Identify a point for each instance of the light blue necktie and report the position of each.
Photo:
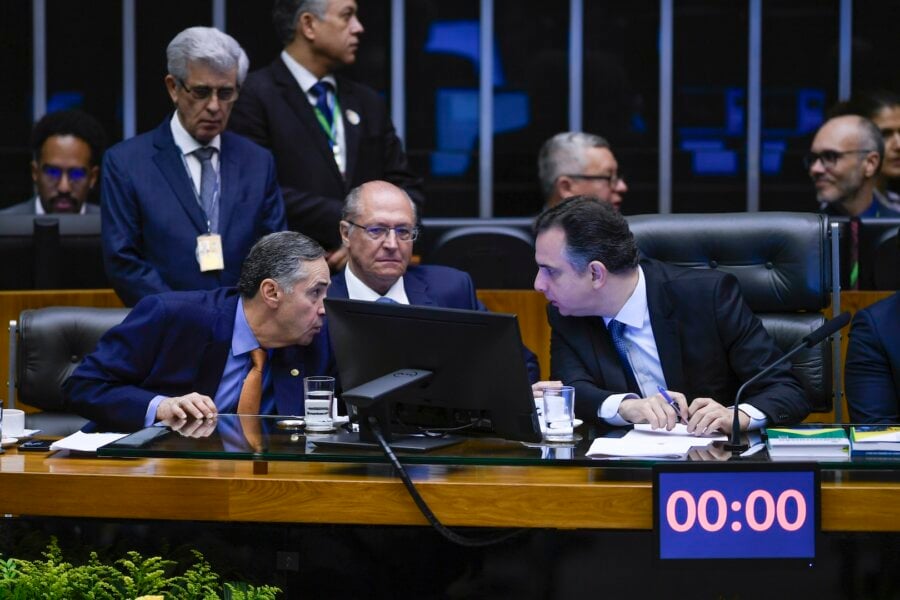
(386, 300)
(208, 186)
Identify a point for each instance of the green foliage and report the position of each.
(129, 577)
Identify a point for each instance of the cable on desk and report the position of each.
(454, 537)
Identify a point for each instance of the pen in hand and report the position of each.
(671, 402)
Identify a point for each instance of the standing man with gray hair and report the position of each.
(182, 205)
(328, 134)
(573, 163)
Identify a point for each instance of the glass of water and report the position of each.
(318, 394)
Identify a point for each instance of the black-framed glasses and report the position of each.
(378, 232)
(829, 158)
(204, 92)
(613, 179)
(53, 174)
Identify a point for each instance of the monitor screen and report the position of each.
(58, 251)
(478, 375)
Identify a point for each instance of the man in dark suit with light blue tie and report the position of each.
(183, 204)
(187, 355)
(378, 229)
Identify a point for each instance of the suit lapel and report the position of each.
(296, 100)
(228, 193)
(288, 371)
(168, 160)
(214, 355)
(416, 290)
(666, 329)
(349, 103)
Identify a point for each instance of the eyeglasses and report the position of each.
(53, 175)
(829, 158)
(613, 179)
(204, 92)
(378, 232)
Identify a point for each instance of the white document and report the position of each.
(86, 442)
(642, 441)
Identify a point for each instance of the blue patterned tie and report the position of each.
(321, 90)
(208, 186)
(617, 333)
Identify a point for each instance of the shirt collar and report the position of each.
(635, 310)
(242, 340)
(357, 290)
(186, 142)
(304, 78)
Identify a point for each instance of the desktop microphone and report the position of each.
(813, 339)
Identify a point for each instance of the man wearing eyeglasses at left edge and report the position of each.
(843, 163)
(182, 204)
(66, 147)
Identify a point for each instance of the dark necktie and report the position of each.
(251, 392)
(324, 111)
(208, 186)
(617, 333)
(854, 253)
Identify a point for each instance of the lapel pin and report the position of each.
(352, 116)
(294, 372)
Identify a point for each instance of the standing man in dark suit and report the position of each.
(189, 355)
(328, 134)
(67, 146)
(623, 328)
(872, 369)
(183, 204)
(378, 228)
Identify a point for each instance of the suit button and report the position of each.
(294, 372)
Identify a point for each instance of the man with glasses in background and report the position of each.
(67, 146)
(183, 204)
(573, 163)
(843, 163)
(378, 228)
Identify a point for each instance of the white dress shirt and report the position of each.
(357, 290)
(187, 144)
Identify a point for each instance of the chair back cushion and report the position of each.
(51, 342)
(496, 257)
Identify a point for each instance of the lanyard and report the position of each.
(330, 131)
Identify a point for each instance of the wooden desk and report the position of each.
(303, 492)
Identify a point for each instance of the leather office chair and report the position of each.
(46, 345)
(782, 262)
(886, 261)
(497, 257)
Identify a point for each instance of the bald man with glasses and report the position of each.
(843, 163)
(378, 227)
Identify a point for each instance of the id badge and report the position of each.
(209, 252)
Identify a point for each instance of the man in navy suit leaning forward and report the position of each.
(182, 204)
(378, 227)
(188, 355)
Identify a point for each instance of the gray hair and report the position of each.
(563, 154)
(350, 211)
(870, 136)
(281, 256)
(285, 14)
(208, 45)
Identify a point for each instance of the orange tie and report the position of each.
(251, 392)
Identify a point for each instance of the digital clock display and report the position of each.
(736, 511)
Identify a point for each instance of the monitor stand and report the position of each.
(405, 443)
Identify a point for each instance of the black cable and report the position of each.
(423, 506)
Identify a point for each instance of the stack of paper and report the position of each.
(875, 440)
(86, 442)
(813, 443)
(644, 442)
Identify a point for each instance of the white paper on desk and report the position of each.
(85, 442)
(642, 441)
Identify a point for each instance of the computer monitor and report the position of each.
(59, 251)
(466, 367)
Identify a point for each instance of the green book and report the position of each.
(809, 442)
(875, 440)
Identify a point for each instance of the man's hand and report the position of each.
(191, 406)
(707, 415)
(538, 388)
(193, 428)
(336, 259)
(654, 410)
